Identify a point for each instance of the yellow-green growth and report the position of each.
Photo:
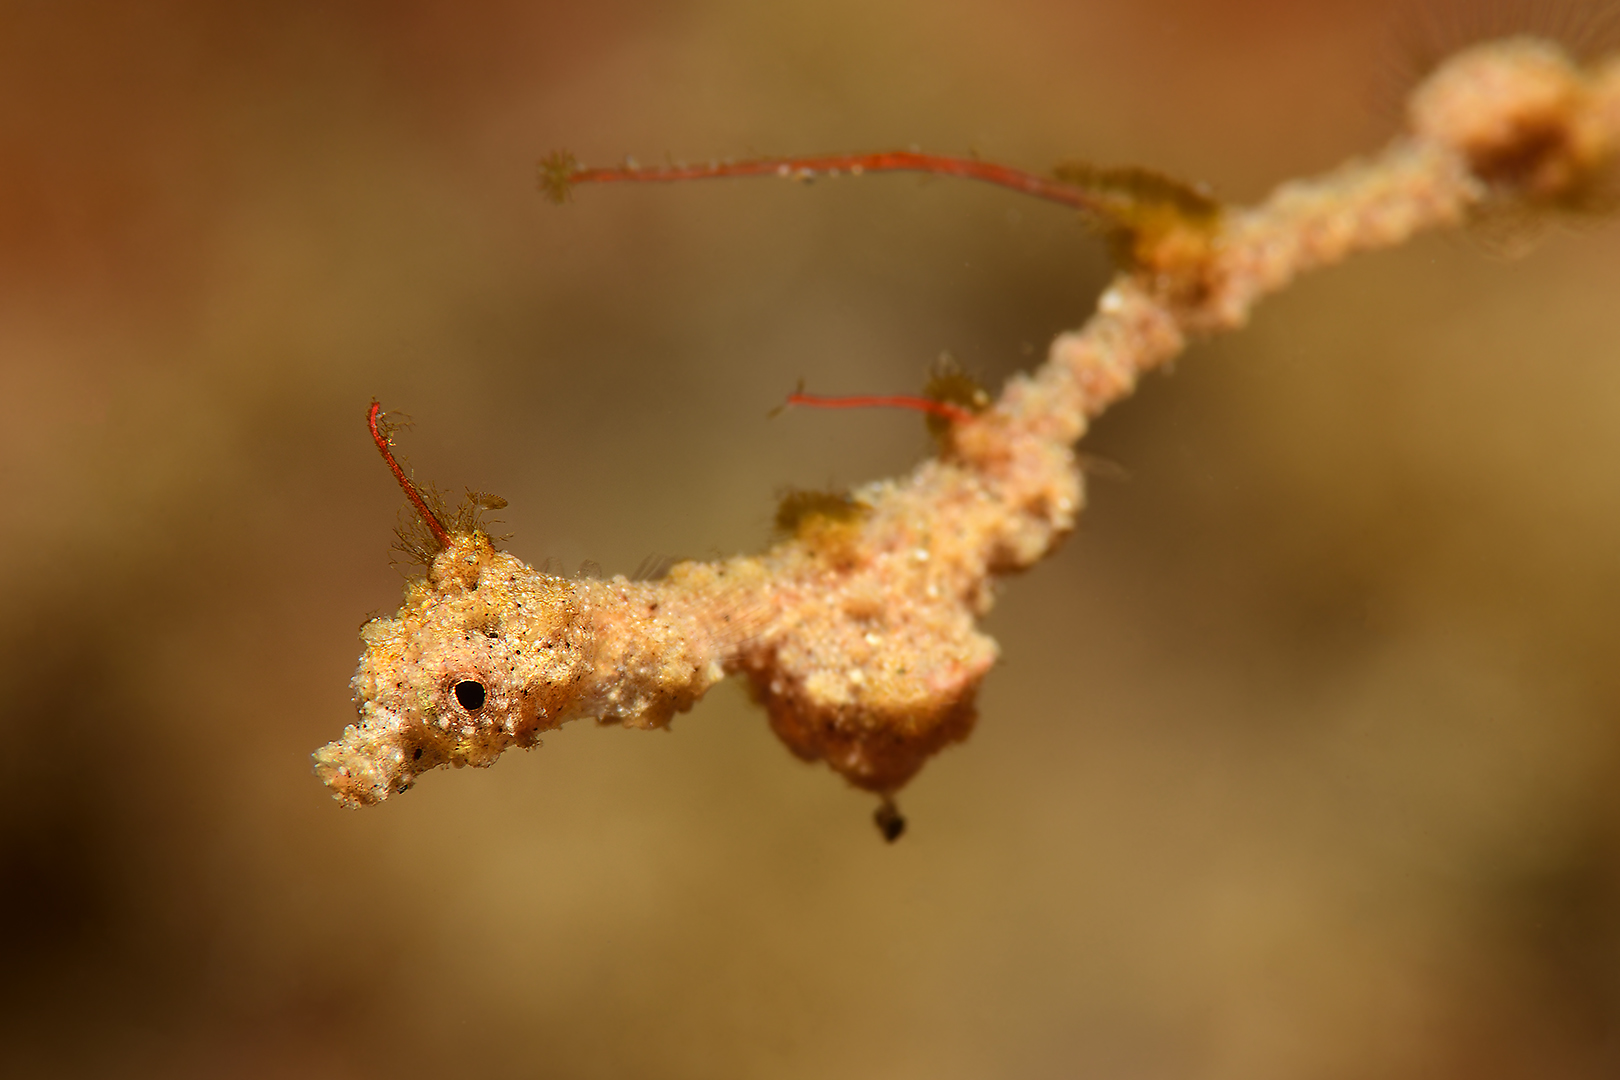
(1153, 222)
(827, 523)
(803, 509)
(947, 382)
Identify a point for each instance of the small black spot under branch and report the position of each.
(471, 694)
(890, 822)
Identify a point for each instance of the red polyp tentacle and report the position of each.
(804, 168)
(943, 409)
(429, 518)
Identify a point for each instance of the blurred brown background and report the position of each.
(1303, 758)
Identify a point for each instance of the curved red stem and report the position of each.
(953, 413)
(803, 168)
(429, 518)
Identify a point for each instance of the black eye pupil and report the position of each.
(470, 694)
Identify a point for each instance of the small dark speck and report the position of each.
(417, 756)
(890, 822)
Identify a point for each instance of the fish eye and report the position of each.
(471, 694)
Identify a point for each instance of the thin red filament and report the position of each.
(429, 518)
(953, 413)
(804, 168)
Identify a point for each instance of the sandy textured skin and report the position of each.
(480, 617)
(858, 637)
(871, 659)
(858, 632)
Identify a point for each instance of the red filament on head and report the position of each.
(805, 168)
(429, 518)
(953, 413)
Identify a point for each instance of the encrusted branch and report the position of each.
(857, 633)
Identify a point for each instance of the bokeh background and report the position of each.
(1304, 759)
